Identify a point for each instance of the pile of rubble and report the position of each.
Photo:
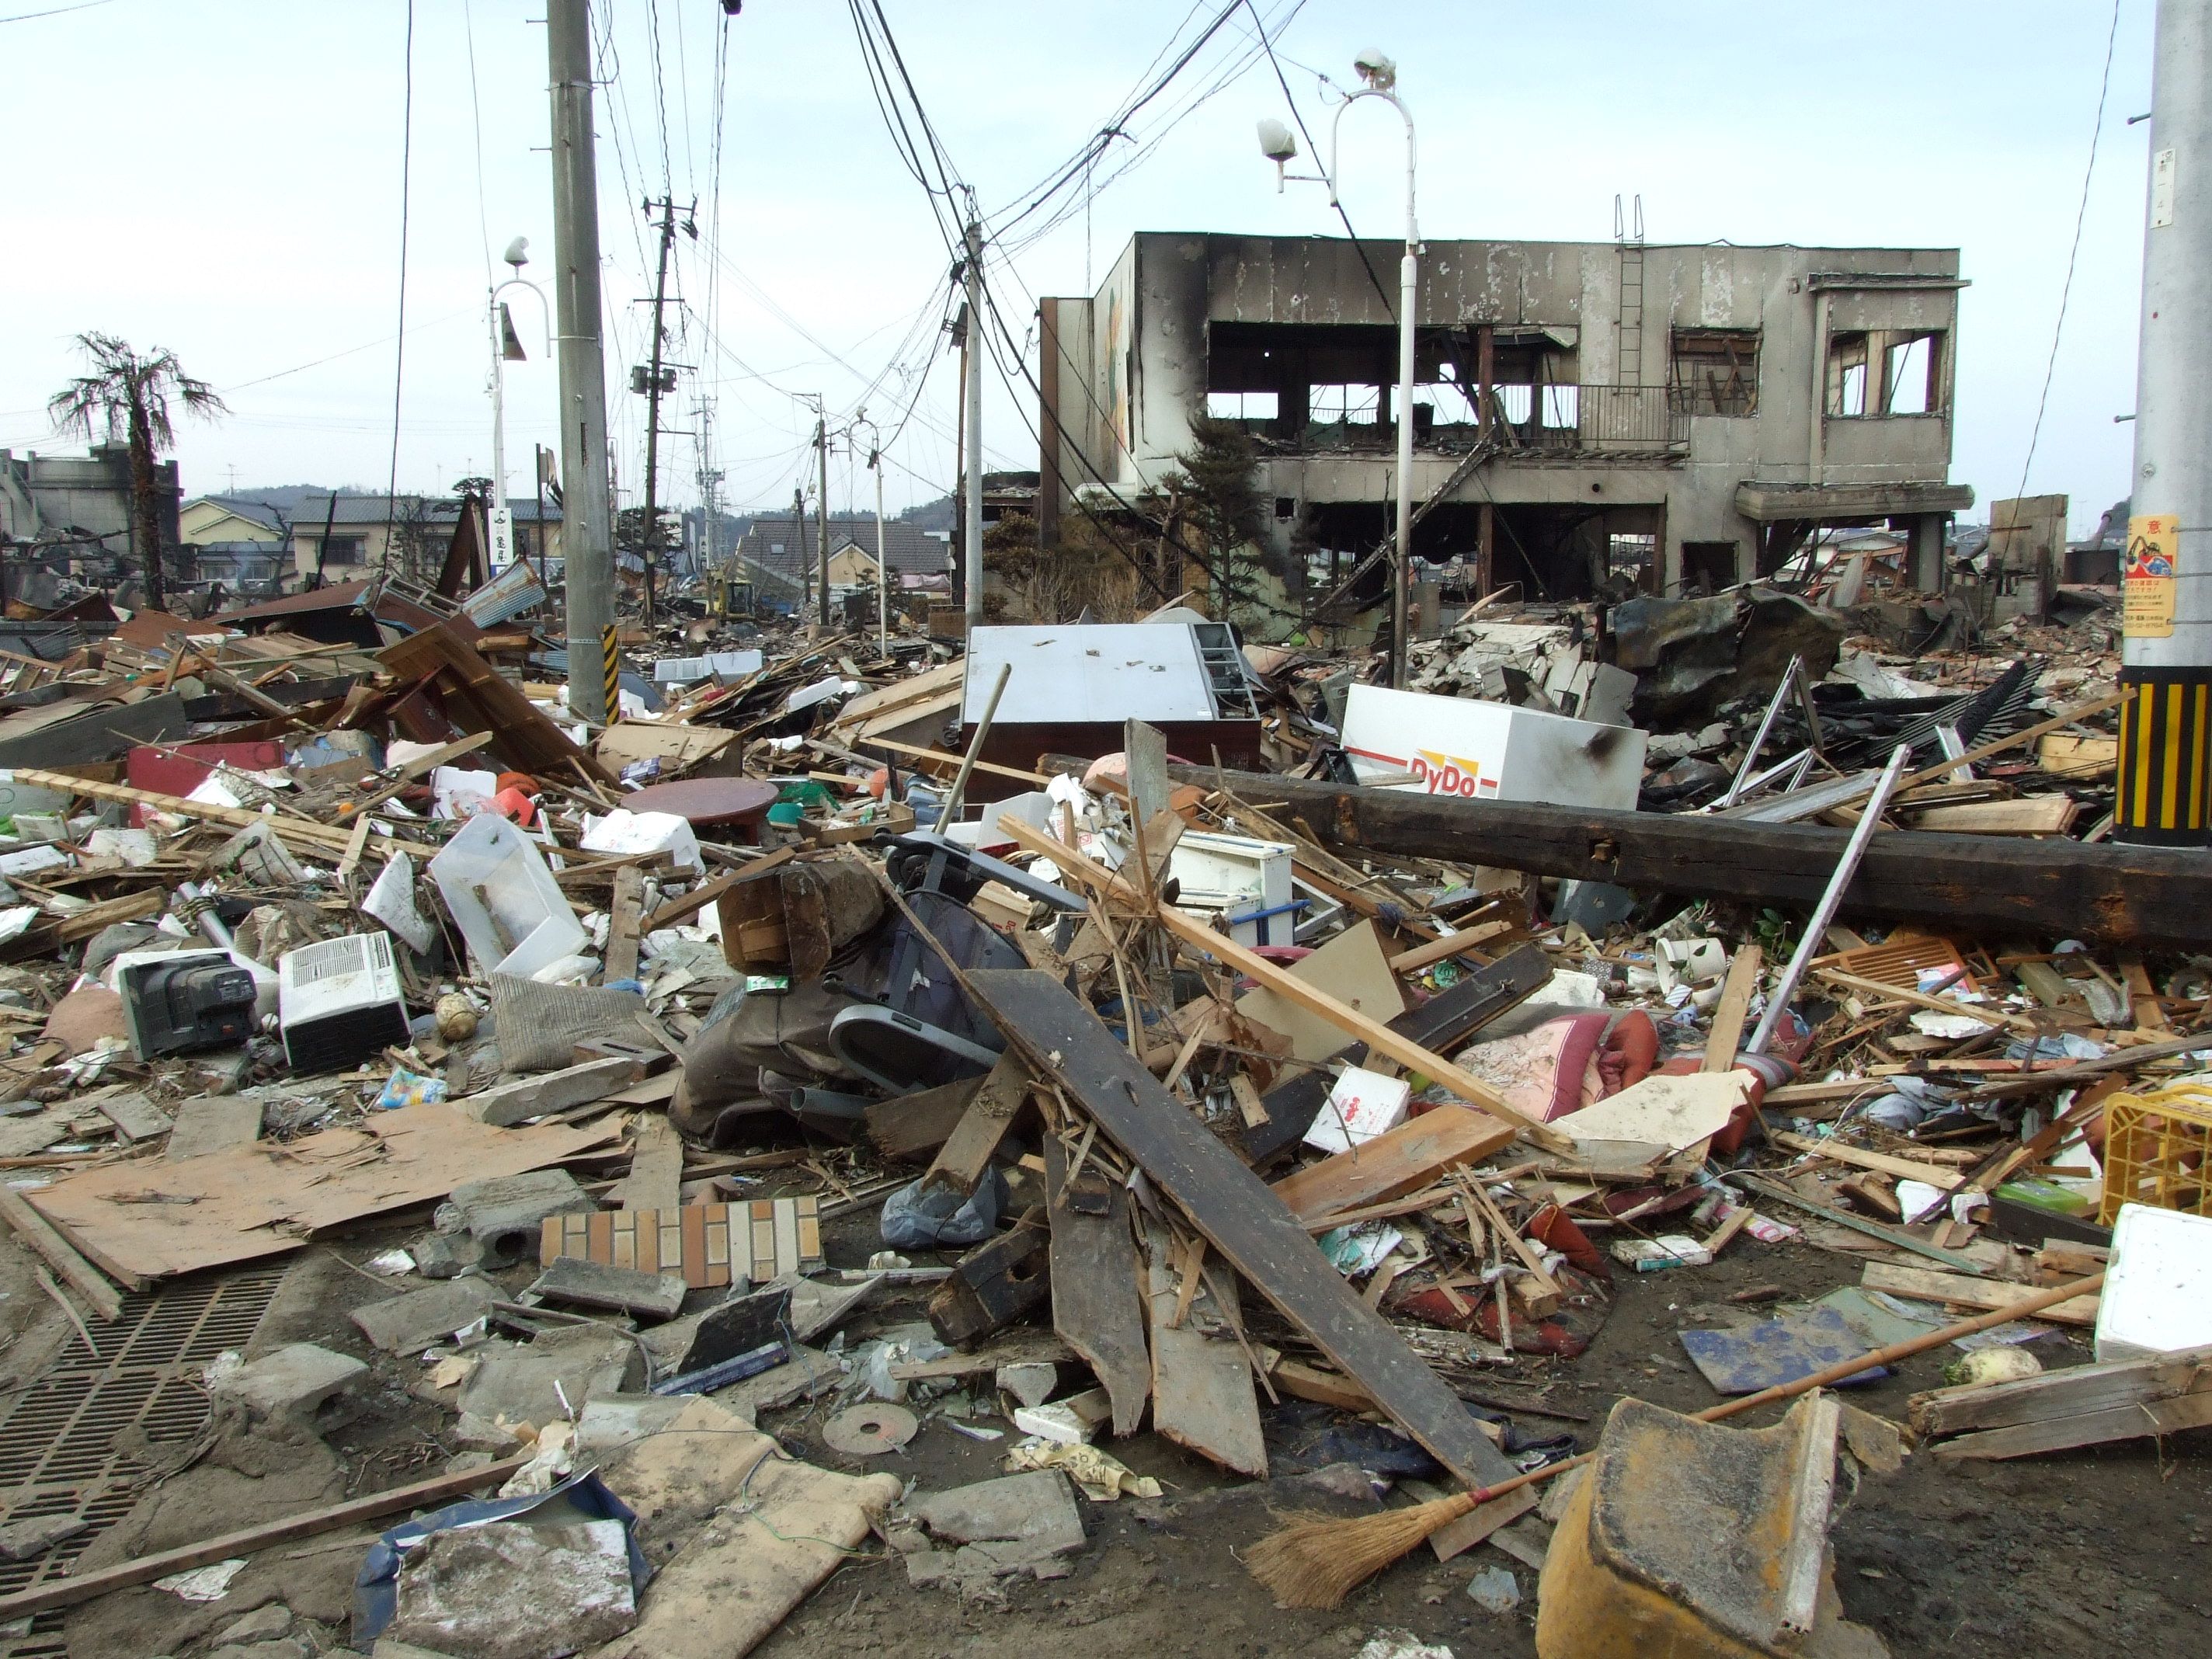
(1106, 1038)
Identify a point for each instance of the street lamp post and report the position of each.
(506, 348)
(883, 580)
(1280, 146)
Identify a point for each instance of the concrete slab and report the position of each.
(504, 1214)
(552, 1376)
(416, 1320)
(213, 1123)
(295, 1381)
(1035, 1508)
(584, 1283)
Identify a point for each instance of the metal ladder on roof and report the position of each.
(1223, 666)
(1631, 323)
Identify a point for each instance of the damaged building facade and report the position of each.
(1586, 413)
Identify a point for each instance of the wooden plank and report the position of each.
(2151, 898)
(1395, 1162)
(2037, 815)
(1896, 1237)
(476, 697)
(1875, 987)
(213, 1123)
(625, 916)
(421, 1494)
(1958, 1290)
(2135, 1422)
(1303, 1381)
(2077, 1391)
(1379, 1037)
(1451, 945)
(31, 1227)
(1237, 1215)
(656, 1180)
(961, 1162)
(141, 1221)
(135, 1117)
(909, 1128)
(1203, 1399)
(682, 907)
(1726, 1034)
(1098, 1307)
(1904, 1169)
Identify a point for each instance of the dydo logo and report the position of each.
(1446, 775)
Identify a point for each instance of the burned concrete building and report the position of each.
(1587, 414)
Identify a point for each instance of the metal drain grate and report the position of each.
(58, 1437)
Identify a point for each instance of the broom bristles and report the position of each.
(1316, 1563)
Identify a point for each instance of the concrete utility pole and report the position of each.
(651, 527)
(973, 521)
(822, 521)
(586, 535)
(2166, 724)
(799, 543)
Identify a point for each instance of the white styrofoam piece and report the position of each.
(391, 900)
(504, 900)
(1490, 750)
(1363, 1105)
(2158, 1288)
(624, 834)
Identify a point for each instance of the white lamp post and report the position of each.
(1280, 146)
(505, 347)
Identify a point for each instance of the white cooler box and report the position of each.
(1490, 750)
(1242, 877)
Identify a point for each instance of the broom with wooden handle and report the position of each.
(1316, 1563)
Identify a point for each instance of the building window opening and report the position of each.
(1716, 371)
(1242, 405)
(1346, 404)
(1631, 560)
(1911, 376)
(1847, 376)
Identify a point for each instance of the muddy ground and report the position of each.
(2091, 1554)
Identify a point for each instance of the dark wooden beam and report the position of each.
(1998, 886)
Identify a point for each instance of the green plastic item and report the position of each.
(786, 812)
(2048, 1196)
(806, 792)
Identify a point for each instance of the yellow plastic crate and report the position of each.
(2158, 1150)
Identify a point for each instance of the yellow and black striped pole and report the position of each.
(612, 656)
(2166, 743)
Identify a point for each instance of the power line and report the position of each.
(400, 344)
(2066, 290)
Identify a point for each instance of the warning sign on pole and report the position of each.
(2147, 575)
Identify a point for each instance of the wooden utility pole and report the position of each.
(653, 390)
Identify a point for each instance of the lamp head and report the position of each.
(1277, 142)
(517, 252)
(1377, 69)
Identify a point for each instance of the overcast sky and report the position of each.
(223, 179)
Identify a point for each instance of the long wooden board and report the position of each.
(1395, 1162)
(2157, 897)
(143, 1220)
(1097, 1305)
(2073, 1392)
(1958, 1290)
(1235, 1213)
(421, 1494)
(1203, 1398)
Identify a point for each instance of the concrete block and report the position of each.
(507, 1104)
(416, 1320)
(616, 1419)
(583, 1284)
(25, 1540)
(552, 1376)
(1035, 1508)
(263, 1623)
(295, 1381)
(504, 1214)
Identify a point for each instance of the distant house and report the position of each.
(207, 520)
(779, 555)
(362, 530)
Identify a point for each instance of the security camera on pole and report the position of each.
(2166, 724)
(1279, 145)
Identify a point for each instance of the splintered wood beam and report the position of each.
(2154, 897)
(1237, 1215)
(967, 1152)
(1380, 1038)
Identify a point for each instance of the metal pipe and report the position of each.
(975, 749)
(1778, 1000)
